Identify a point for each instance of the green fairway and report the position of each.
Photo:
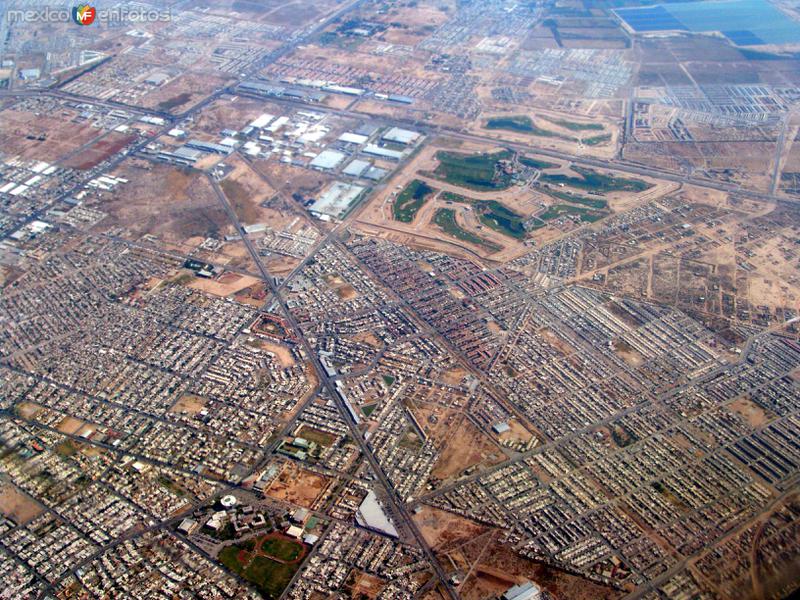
(523, 124)
(597, 139)
(535, 163)
(493, 214)
(597, 203)
(410, 200)
(519, 123)
(596, 182)
(445, 218)
(473, 171)
(558, 210)
(574, 126)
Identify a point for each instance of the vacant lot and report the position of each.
(165, 201)
(297, 485)
(465, 447)
(443, 530)
(16, 505)
(189, 404)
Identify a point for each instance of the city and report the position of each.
(399, 299)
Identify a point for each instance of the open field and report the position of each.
(465, 447)
(16, 505)
(166, 202)
(443, 530)
(182, 93)
(99, 150)
(268, 562)
(297, 485)
(246, 192)
(43, 137)
(189, 404)
(281, 352)
(224, 285)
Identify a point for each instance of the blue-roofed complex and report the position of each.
(743, 22)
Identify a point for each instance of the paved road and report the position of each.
(397, 506)
(623, 166)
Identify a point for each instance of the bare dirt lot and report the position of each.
(164, 201)
(189, 404)
(443, 530)
(297, 485)
(99, 151)
(465, 447)
(224, 285)
(495, 568)
(43, 137)
(70, 425)
(246, 191)
(366, 585)
(282, 354)
(756, 416)
(182, 93)
(16, 505)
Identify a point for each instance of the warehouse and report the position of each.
(353, 138)
(327, 160)
(400, 136)
(356, 168)
(337, 200)
(370, 516)
(376, 150)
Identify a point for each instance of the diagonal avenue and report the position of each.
(398, 507)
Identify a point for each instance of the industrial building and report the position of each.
(210, 147)
(376, 150)
(370, 516)
(336, 200)
(524, 591)
(401, 136)
(356, 168)
(327, 160)
(353, 138)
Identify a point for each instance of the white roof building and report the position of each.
(524, 591)
(262, 121)
(370, 515)
(294, 531)
(327, 159)
(400, 136)
(353, 138)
